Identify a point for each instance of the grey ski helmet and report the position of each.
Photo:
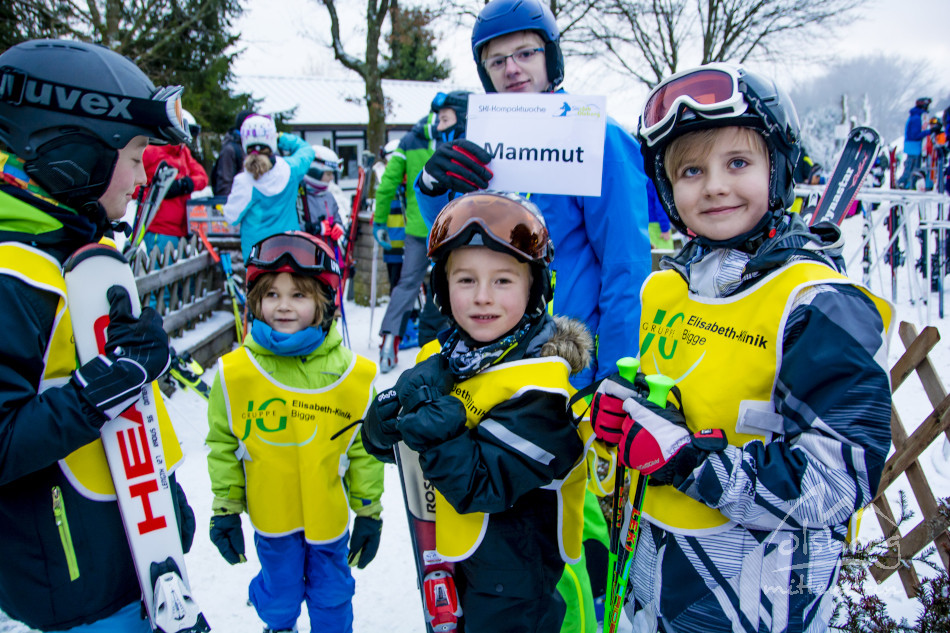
(721, 95)
(67, 107)
(501, 17)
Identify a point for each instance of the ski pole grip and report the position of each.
(628, 366)
(660, 386)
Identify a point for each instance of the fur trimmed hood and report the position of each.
(572, 341)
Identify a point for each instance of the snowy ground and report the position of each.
(386, 596)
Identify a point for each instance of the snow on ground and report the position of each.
(386, 596)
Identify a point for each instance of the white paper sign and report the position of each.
(541, 143)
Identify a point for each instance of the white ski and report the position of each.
(133, 447)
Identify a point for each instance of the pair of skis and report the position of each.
(186, 371)
(133, 448)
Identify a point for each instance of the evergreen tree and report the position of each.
(412, 49)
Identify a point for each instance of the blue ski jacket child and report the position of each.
(268, 206)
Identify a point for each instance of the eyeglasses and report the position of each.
(307, 255)
(713, 93)
(505, 220)
(496, 63)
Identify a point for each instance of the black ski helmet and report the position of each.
(757, 102)
(923, 103)
(503, 222)
(67, 107)
(501, 17)
(457, 100)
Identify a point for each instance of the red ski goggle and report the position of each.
(712, 92)
(294, 252)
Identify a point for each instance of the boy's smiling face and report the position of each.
(488, 291)
(721, 191)
(287, 308)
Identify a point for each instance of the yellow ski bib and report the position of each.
(457, 535)
(86, 467)
(293, 443)
(697, 340)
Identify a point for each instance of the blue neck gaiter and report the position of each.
(299, 343)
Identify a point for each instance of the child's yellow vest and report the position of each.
(86, 467)
(293, 443)
(724, 354)
(459, 535)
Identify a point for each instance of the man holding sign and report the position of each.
(599, 229)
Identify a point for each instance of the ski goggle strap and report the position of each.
(711, 92)
(508, 222)
(308, 256)
(162, 112)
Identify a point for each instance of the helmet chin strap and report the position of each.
(751, 240)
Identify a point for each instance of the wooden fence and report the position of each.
(935, 511)
(184, 284)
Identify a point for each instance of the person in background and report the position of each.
(230, 161)
(916, 130)
(322, 211)
(406, 163)
(171, 220)
(66, 563)
(263, 199)
(396, 220)
(661, 235)
(300, 467)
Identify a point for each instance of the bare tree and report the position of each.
(369, 68)
(649, 38)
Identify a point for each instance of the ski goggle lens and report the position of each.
(711, 92)
(502, 218)
(307, 255)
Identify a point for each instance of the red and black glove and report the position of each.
(457, 166)
(607, 414)
(330, 229)
(657, 442)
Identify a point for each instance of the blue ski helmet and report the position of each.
(501, 17)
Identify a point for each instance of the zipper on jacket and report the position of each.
(62, 523)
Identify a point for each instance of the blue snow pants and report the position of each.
(293, 570)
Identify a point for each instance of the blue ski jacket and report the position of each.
(268, 206)
(601, 251)
(915, 131)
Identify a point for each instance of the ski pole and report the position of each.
(372, 291)
(660, 386)
(228, 282)
(628, 367)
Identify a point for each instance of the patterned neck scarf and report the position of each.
(465, 358)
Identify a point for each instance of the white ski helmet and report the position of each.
(325, 159)
(191, 124)
(387, 150)
(258, 130)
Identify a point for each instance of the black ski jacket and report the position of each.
(37, 430)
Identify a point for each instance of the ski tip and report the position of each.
(92, 250)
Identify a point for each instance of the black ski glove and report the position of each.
(436, 422)
(364, 542)
(136, 354)
(186, 519)
(228, 537)
(181, 187)
(424, 383)
(379, 431)
(458, 166)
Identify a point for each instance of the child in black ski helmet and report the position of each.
(486, 409)
(781, 425)
(75, 119)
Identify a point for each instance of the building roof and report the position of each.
(335, 101)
